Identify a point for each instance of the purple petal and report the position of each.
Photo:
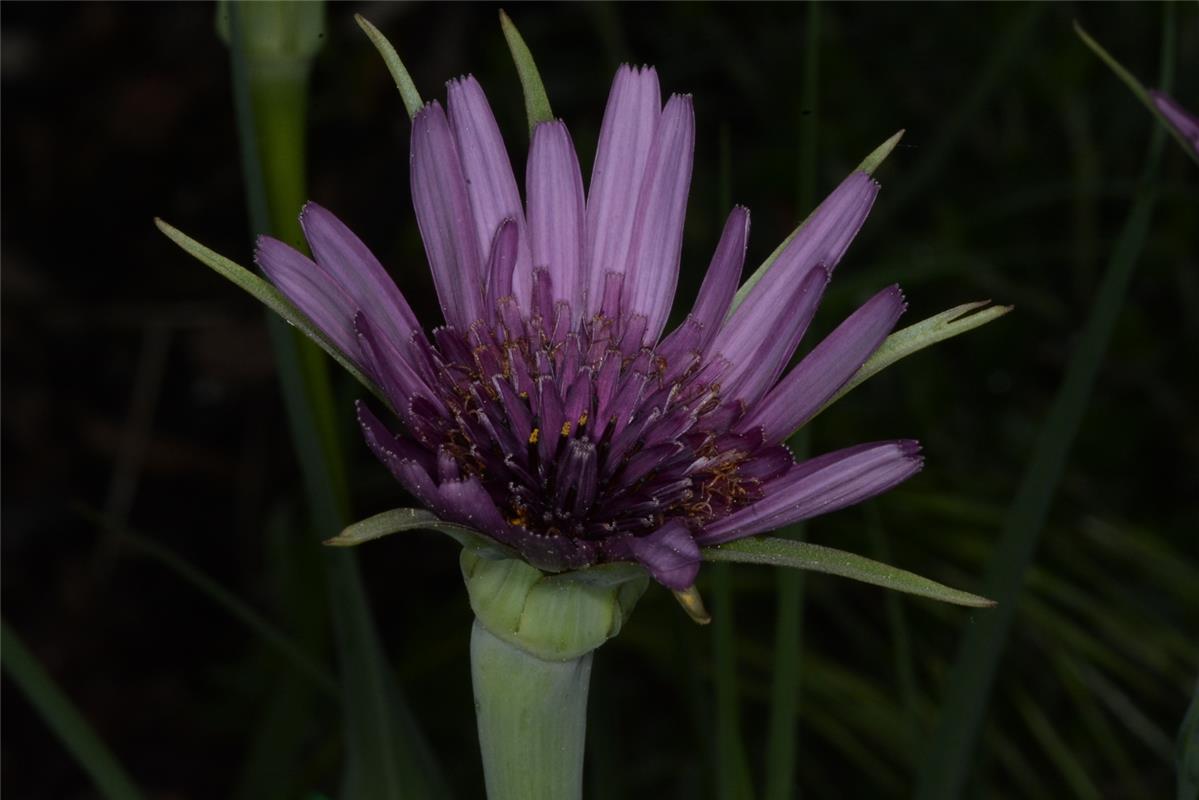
(555, 188)
(652, 270)
(826, 369)
(822, 240)
(818, 486)
(490, 182)
(500, 266)
(626, 137)
(463, 501)
(760, 354)
(669, 553)
(387, 447)
(724, 274)
(343, 255)
(312, 290)
(1183, 121)
(392, 371)
(445, 218)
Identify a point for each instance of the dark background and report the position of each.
(139, 386)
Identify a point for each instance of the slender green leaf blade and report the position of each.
(1137, 88)
(537, 103)
(816, 558)
(64, 719)
(914, 338)
(399, 73)
(269, 296)
(398, 520)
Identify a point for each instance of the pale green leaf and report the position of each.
(914, 338)
(398, 520)
(270, 297)
(804, 555)
(537, 103)
(399, 73)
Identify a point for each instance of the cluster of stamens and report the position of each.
(577, 428)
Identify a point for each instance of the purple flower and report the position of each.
(550, 413)
(1183, 121)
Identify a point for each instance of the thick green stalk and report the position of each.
(530, 654)
(532, 716)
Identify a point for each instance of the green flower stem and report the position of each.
(530, 654)
(532, 717)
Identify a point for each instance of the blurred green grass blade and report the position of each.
(537, 102)
(269, 296)
(1188, 751)
(947, 761)
(281, 740)
(782, 752)
(1137, 89)
(64, 719)
(399, 73)
(914, 338)
(386, 755)
(732, 767)
(1056, 751)
(901, 638)
(804, 555)
(263, 631)
(1104, 737)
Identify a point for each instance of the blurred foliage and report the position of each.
(137, 383)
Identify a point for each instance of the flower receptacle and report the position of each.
(556, 617)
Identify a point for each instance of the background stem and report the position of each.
(386, 754)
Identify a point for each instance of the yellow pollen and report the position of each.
(583, 419)
(566, 429)
(534, 436)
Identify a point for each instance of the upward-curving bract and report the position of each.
(550, 413)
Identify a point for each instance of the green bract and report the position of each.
(553, 617)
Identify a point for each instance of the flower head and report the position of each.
(550, 412)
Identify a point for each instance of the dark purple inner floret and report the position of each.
(582, 430)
